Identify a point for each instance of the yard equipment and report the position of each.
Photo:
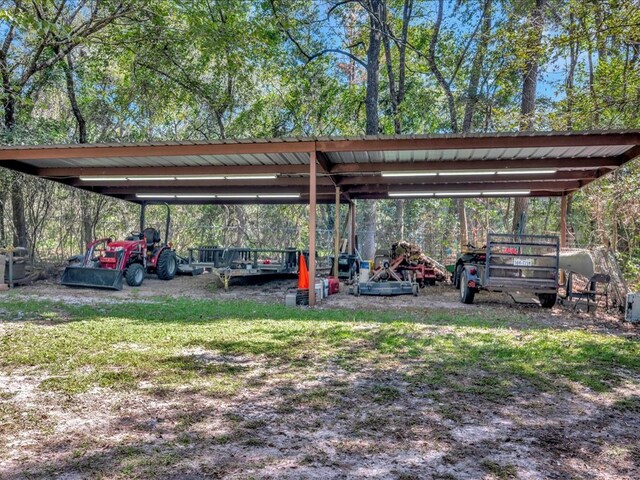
(403, 270)
(107, 262)
(511, 263)
(387, 280)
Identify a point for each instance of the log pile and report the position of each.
(413, 253)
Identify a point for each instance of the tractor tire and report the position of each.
(547, 300)
(466, 294)
(134, 275)
(167, 265)
(456, 276)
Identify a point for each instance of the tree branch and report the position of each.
(313, 56)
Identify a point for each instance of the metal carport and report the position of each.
(331, 169)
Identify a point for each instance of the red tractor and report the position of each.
(107, 262)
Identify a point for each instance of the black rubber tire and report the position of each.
(466, 294)
(547, 300)
(456, 276)
(167, 265)
(414, 290)
(356, 290)
(134, 275)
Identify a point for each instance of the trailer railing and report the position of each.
(527, 262)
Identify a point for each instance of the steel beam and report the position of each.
(384, 196)
(352, 228)
(559, 186)
(170, 170)
(442, 165)
(336, 233)
(154, 150)
(563, 221)
(324, 162)
(237, 190)
(245, 184)
(440, 180)
(312, 228)
(488, 141)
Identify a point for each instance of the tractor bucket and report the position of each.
(106, 278)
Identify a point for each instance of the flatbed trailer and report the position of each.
(246, 265)
(513, 264)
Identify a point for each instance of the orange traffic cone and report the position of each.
(303, 275)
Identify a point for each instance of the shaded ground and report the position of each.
(404, 388)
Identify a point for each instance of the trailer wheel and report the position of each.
(167, 265)
(547, 300)
(356, 290)
(466, 294)
(414, 290)
(456, 276)
(134, 275)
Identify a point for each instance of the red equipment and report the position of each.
(334, 286)
(107, 262)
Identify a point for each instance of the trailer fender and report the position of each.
(471, 276)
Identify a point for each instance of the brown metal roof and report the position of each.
(529, 163)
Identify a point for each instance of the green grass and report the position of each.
(121, 345)
(502, 472)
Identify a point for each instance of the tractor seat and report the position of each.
(152, 236)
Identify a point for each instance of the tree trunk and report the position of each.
(471, 102)
(528, 103)
(462, 219)
(532, 66)
(19, 220)
(17, 200)
(3, 199)
(397, 93)
(476, 68)
(400, 218)
(370, 220)
(433, 66)
(573, 63)
(520, 211)
(371, 107)
(373, 66)
(71, 92)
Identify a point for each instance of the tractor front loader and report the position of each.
(106, 262)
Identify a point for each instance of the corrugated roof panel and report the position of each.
(196, 160)
(301, 158)
(287, 159)
(211, 159)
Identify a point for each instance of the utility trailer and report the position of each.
(243, 264)
(513, 264)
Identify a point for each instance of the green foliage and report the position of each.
(182, 70)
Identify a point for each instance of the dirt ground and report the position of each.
(408, 431)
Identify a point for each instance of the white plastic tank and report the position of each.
(632, 312)
(365, 267)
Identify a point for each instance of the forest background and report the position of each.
(92, 71)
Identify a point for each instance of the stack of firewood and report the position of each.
(413, 253)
